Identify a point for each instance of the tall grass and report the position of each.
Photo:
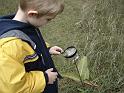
(97, 32)
(101, 39)
(96, 28)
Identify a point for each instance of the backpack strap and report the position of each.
(19, 34)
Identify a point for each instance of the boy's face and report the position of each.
(40, 21)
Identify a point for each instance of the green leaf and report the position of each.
(71, 76)
(83, 68)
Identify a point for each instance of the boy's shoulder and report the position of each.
(17, 34)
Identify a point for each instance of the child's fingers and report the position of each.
(59, 49)
(50, 70)
(55, 73)
(57, 52)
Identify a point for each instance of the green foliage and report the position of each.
(102, 28)
(96, 29)
(99, 35)
(83, 68)
(72, 76)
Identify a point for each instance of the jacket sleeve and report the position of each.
(47, 44)
(13, 77)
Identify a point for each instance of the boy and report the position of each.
(25, 62)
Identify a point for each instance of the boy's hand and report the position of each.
(52, 76)
(55, 50)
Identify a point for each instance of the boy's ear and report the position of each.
(32, 13)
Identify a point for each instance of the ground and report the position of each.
(95, 28)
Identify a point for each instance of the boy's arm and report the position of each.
(14, 78)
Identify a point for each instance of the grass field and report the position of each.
(96, 28)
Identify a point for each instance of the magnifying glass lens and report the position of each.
(70, 52)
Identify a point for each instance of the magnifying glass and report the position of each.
(71, 52)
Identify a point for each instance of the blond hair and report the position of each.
(42, 6)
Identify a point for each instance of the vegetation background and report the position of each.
(96, 29)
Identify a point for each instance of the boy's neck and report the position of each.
(20, 16)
